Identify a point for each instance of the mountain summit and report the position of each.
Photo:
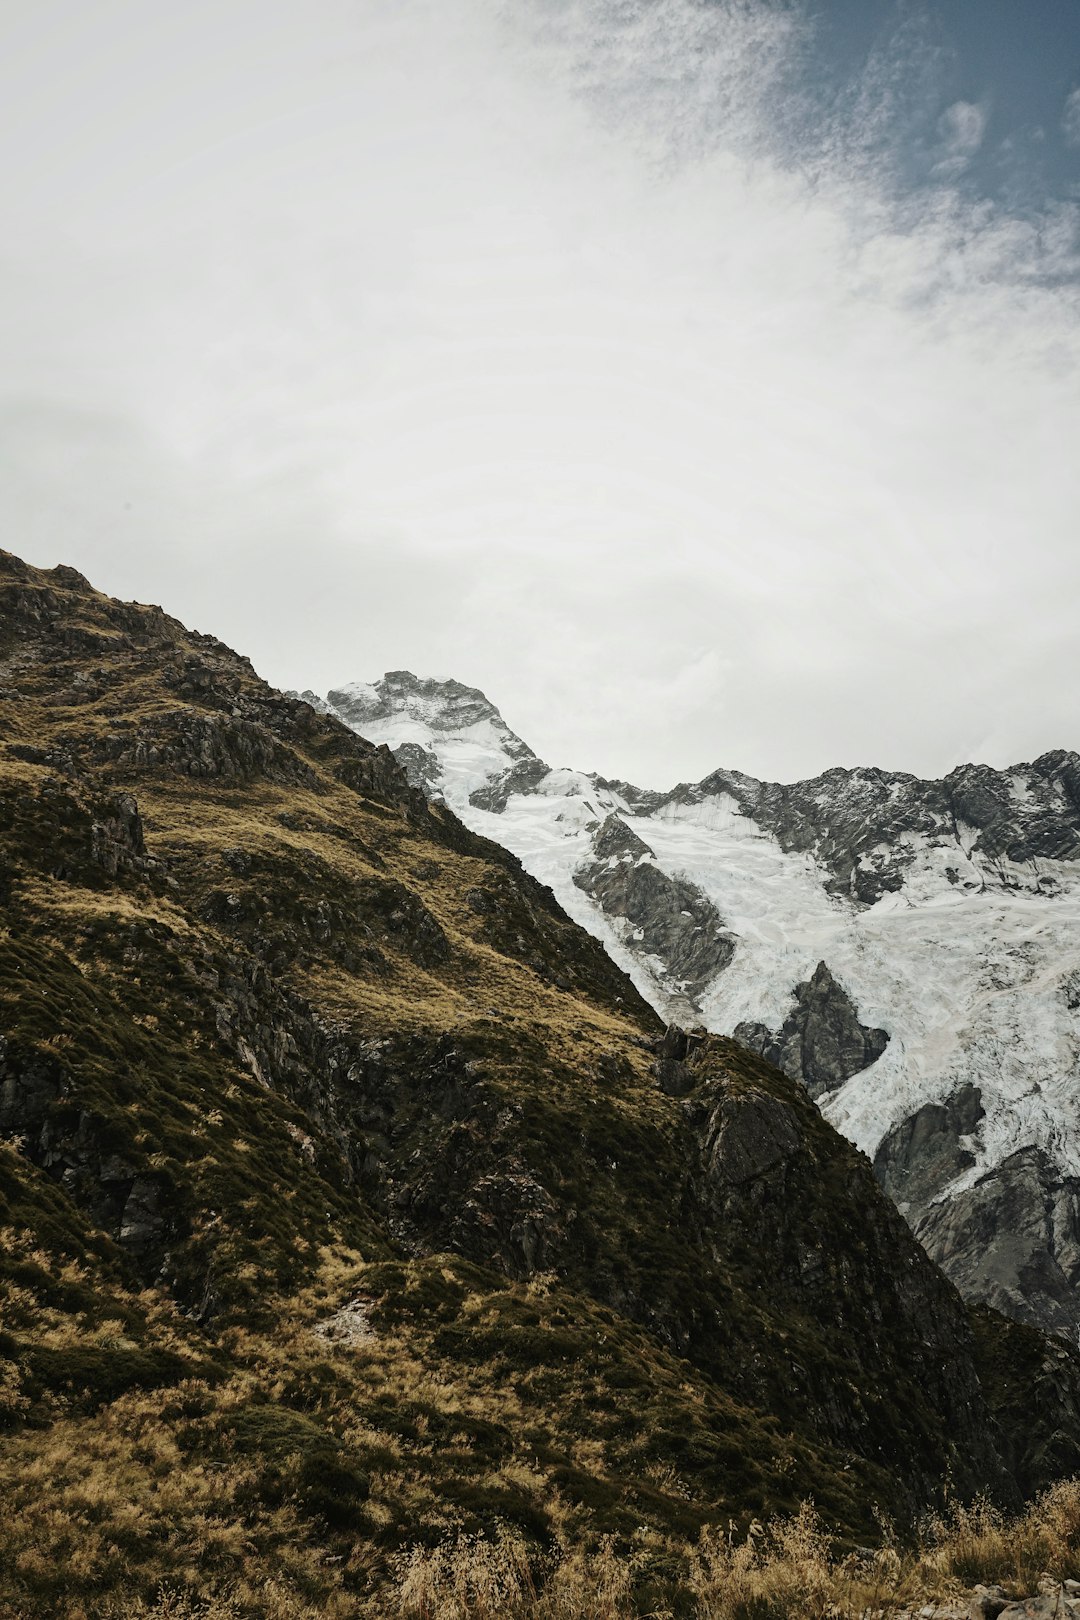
(910, 949)
(448, 737)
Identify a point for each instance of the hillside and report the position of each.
(352, 1195)
(909, 949)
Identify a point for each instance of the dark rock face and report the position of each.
(1013, 1240)
(747, 1138)
(760, 1155)
(859, 823)
(673, 1068)
(821, 1042)
(1031, 1383)
(420, 766)
(524, 777)
(27, 1090)
(118, 839)
(68, 1143)
(668, 917)
(920, 1156)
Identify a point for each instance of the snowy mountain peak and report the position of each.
(449, 737)
(448, 706)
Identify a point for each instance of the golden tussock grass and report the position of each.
(787, 1570)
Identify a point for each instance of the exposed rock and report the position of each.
(511, 1221)
(348, 1326)
(420, 765)
(821, 1042)
(674, 1070)
(70, 1144)
(986, 1603)
(1047, 1606)
(118, 841)
(210, 746)
(1013, 1240)
(523, 777)
(28, 1086)
(665, 917)
(144, 1220)
(920, 1157)
(760, 1157)
(747, 1137)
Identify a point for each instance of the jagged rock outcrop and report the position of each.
(821, 1042)
(865, 826)
(523, 777)
(918, 1158)
(1012, 1238)
(673, 1067)
(666, 917)
(763, 1185)
(118, 838)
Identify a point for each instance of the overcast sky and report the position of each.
(700, 379)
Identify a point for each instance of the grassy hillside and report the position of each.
(352, 1200)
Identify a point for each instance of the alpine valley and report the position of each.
(909, 950)
(371, 1245)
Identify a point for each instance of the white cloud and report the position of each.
(512, 342)
(960, 128)
(1070, 118)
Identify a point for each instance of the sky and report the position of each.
(700, 378)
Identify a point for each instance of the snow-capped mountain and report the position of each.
(911, 949)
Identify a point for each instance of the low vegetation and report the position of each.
(790, 1569)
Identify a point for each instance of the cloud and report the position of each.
(1070, 118)
(575, 349)
(961, 129)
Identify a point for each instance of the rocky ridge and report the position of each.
(821, 1042)
(945, 914)
(664, 918)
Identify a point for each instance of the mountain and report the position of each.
(353, 1198)
(909, 949)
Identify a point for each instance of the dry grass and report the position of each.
(472, 1578)
(978, 1543)
(62, 909)
(788, 1570)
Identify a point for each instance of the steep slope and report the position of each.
(351, 1194)
(944, 915)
